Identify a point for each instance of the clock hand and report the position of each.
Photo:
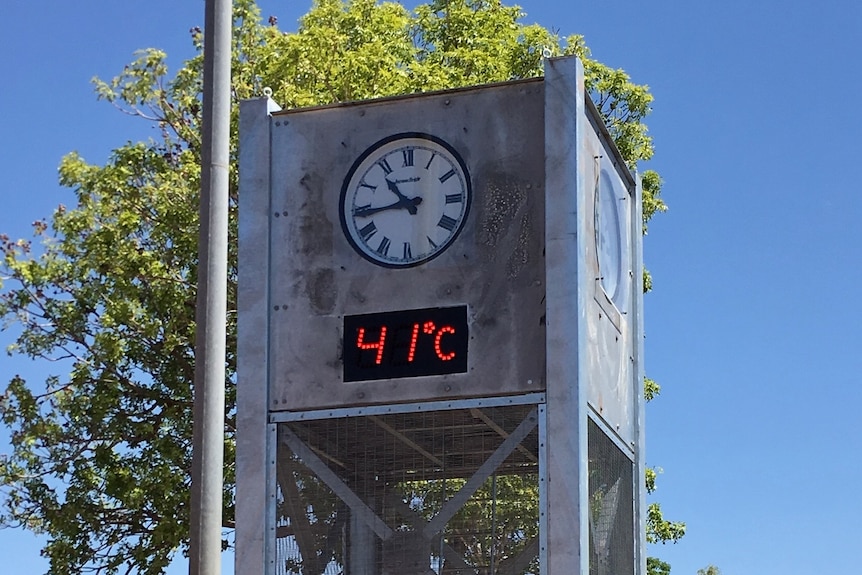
(408, 203)
(402, 199)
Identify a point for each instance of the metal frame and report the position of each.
(566, 279)
(430, 529)
(543, 489)
(254, 514)
(638, 370)
(285, 416)
(562, 400)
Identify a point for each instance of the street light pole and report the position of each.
(211, 312)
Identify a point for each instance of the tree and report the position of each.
(102, 452)
(709, 570)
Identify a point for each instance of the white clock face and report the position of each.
(610, 238)
(405, 200)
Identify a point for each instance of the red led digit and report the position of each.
(378, 345)
(411, 353)
(428, 327)
(437, 348)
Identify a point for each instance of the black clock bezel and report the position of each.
(369, 151)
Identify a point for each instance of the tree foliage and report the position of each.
(101, 451)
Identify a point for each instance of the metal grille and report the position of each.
(444, 492)
(611, 506)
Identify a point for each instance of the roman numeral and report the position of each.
(430, 241)
(407, 155)
(362, 184)
(383, 248)
(447, 223)
(366, 232)
(447, 175)
(454, 198)
(408, 253)
(431, 159)
(384, 165)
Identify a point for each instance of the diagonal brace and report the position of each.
(457, 501)
(315, 464)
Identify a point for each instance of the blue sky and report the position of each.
(753, 329)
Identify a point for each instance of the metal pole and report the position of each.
(211, 313)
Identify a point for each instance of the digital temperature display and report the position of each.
(408, 343)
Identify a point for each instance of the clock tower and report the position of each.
(439, 317)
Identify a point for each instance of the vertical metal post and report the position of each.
(211, 313)
(566, 276)
(638, 369)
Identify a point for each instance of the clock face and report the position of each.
(609, 238)
(405, 200)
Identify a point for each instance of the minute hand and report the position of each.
(407, 203)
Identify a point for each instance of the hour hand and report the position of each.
(409, 203)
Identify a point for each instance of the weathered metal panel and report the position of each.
(613, 314)
(611, 291)
(495, 266)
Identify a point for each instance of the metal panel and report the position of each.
(615, 330)
(495, 265)
(611, 389)
(253, 438)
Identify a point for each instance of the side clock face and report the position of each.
(405, 200)
(610, 238)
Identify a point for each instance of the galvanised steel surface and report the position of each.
(494, 266)
(594, 328)
(255, 436)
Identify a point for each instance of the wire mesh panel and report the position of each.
(611, 508)
(445, 492)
